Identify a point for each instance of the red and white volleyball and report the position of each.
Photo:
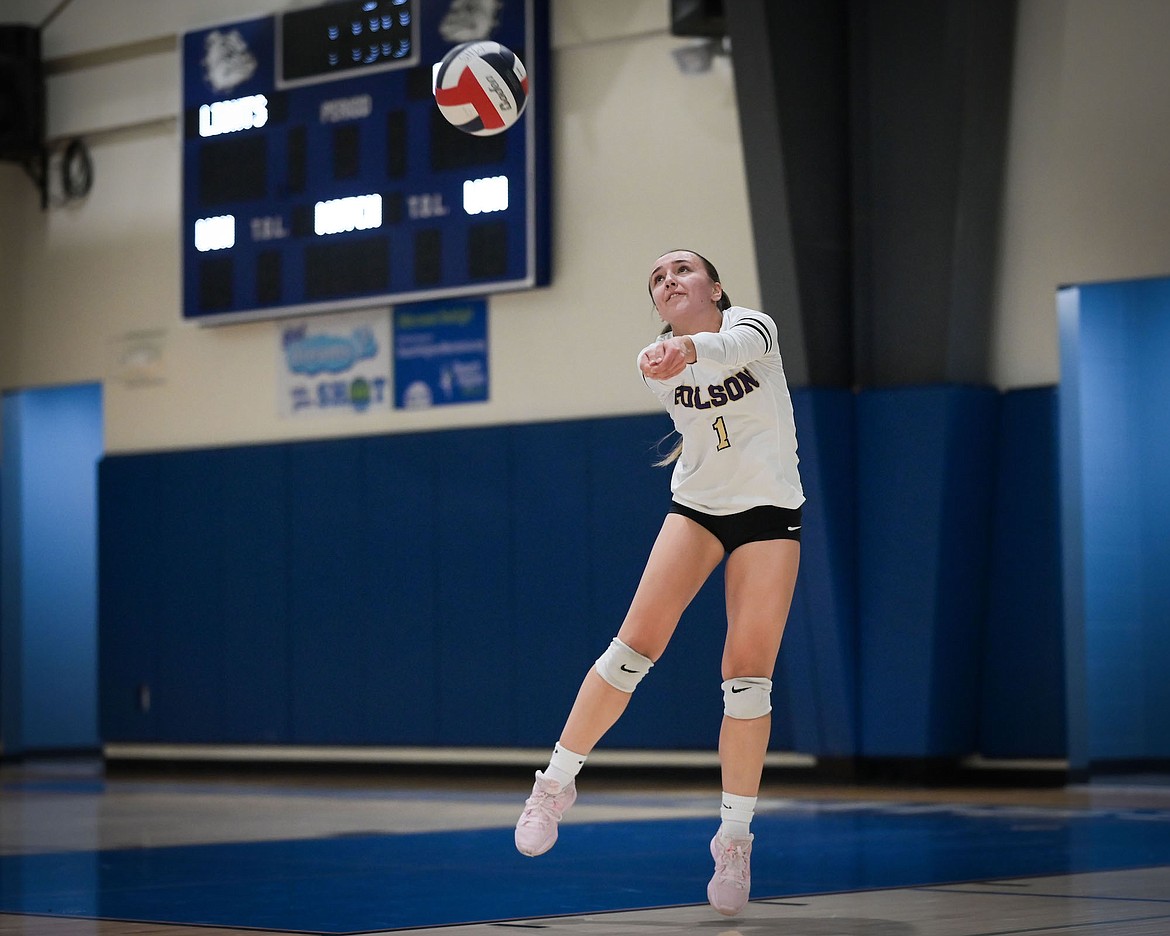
(481, 87)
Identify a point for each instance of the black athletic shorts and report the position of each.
(748, 526)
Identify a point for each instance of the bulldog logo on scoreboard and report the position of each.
(227, 60)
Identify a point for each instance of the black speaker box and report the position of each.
(697, 18)
(22, 93)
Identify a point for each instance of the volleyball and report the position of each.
(481, 87)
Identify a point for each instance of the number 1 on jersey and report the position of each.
(721, 431)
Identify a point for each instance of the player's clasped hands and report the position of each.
(663, 359)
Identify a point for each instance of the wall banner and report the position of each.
(335, 364)
(440, 353)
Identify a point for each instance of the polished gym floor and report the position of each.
(84, 850)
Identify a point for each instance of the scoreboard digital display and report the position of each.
(318, 174)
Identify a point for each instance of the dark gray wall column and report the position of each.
(791, 84)
(874, 137)
(931, 86)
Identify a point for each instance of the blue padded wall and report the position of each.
(399, 499)
(453, 587)
(1023, 706)
(817, 669)
(558, 633)
(192, 599)
(213, 506)
(925, 468)
(338, 629)
(128, 584)
(475, 623)
(362, 591)
(252, 494)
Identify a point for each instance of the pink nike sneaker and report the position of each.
(728, 890)
(536, 831)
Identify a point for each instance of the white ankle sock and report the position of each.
(736, 813)
(564, 765)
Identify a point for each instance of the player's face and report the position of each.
(680, 282)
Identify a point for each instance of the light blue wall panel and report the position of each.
(1124, 452)
(52, 442)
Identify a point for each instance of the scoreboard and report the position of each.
(319, 175)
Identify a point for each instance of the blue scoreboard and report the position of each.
(319, 175)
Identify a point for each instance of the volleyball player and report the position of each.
(736, 495)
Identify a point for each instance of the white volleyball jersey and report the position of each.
(734, 413)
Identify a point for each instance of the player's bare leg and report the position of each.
(683, 556)
(761, 578)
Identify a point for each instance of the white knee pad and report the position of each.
(747, 697)
(622, 667)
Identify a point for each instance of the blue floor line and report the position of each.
(363, 883)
